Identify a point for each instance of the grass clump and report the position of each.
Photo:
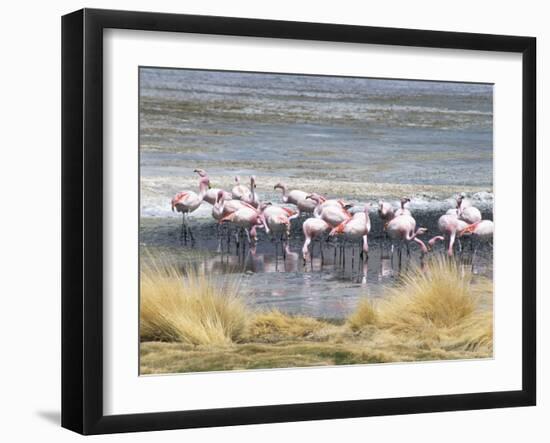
(273, 326)
(439, 295)
(190, 308)
(438, 306)
(365, 314)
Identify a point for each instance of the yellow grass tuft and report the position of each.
(274, 326)
(364, 315)
(190, 308)
(439, 295)
(435, 307)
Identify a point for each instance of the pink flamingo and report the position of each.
(402, 210)
(462, 202)
(403, 229)
(251, 198)
(356, 228)
(222, 208)
(187, 202)
(298, 198)
(385, 211)
(466, 211)
(277, 218)
(240, 192)
(248, 218)
(333, 212)
(450, 226)
(470, 215)
(481, 231)
(313, 228)
(211, 195)
(278, 221)
(225, 206)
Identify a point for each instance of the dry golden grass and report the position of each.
(273, 326)
(190, 308)
(436, 313)
(365, 314)
(440, 296)
(438, 306)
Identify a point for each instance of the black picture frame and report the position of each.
(82, 219)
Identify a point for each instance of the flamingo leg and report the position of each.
(219, 236)
(344, 254)
(187, 228)
(422, 246)
(365, 250)
(183, 234)
(474, 253)
(451, 243)
(400, 253)
(237, 243)
(305, 249)
(228, 239)
(188, 232)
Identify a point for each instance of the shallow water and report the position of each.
(328, 286)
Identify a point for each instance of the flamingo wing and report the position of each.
(178, 198)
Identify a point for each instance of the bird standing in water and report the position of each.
(212, 193)
(239, 191)
(298, 198)
(403, 229)
(358, 227)
(450, 226)
(186, 202)
(313, 228)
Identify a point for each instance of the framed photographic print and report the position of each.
(269, 221)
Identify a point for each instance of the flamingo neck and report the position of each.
(388, 214)
(365, 244)
(252, 192)
(435, 239)
(220, 204)
(285, 193)
(422, 246)
(451, 243)
(411, 236)
(203, 187)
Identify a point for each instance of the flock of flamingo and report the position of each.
(243, 208)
